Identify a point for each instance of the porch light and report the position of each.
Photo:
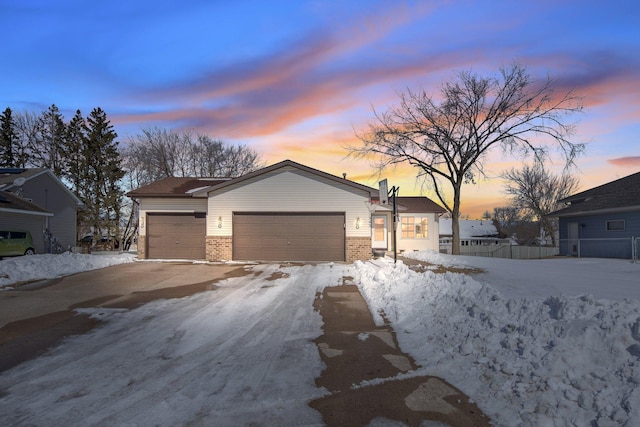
(358, 222)
(219, 222)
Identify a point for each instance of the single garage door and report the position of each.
(176, 236)
(289, 236)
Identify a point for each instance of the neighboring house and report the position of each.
(602, 222)
(472, 233)
(42, 188)
(284, 212)
(18, 214)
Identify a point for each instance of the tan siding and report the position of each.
(288, 190)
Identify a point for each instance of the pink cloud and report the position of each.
(631, 161)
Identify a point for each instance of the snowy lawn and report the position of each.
(530, 345)
(36, 267)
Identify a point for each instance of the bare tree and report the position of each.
(536, 191)
(448, 139)
(160, 153)
(28, 126)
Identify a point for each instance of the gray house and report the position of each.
(42, 188)
(602, 222)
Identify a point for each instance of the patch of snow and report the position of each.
(48, 266)
(561, 360)
(540, 342)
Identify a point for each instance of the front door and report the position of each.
(379, 232)
(573, 239)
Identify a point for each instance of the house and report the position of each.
(283, 212)
(18, 214)
(602, 222)
(473, 233)
(42, 188)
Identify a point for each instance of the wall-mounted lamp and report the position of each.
(358, 222)
(582, 226)
(219, 222)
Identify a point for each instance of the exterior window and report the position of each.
(422, 229)
(408, 227)
(615, 225)
(415, 227)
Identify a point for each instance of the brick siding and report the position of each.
(358, 248)
(219, 248)
(142, 246)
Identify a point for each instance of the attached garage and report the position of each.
(176, 235)
(304, 236)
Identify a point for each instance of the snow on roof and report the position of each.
(469, 228)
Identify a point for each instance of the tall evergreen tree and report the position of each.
(8, 139)
(48, 149)
(75, 153)
(103, 174)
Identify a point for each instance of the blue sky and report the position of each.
(295, 79)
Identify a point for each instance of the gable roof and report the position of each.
(175, 187)
(290, 163)
(619, 195)
(200, 187)
(9, 175)
(11, 203)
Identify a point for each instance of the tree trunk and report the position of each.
(455, 224)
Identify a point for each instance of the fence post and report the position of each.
(578, 248)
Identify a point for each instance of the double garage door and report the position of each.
(176, 236)
(256, 236)
(289, 236)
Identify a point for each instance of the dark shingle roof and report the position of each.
(418, 204)
(174, 187)
(619, 194)
(13, 202)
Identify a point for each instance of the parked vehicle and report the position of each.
(15, 243)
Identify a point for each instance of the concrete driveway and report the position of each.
(36, 316)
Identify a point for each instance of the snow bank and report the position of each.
(36, 267)
(559, 361)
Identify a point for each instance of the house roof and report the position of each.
(621, 194)
(469, 228)
(290, 163)
(11, 203)
(175, 187)
(200, 187)
(418, 204)
(8, 178)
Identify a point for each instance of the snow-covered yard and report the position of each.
(548, 342)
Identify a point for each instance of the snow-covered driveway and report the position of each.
(239, 355)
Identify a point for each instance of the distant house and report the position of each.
(473, 233)
(283, 212)
(43, 189)
(602, 222)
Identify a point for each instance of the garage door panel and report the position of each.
(176, 236)
(289, 237)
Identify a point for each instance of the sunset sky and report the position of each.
(297, 79)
